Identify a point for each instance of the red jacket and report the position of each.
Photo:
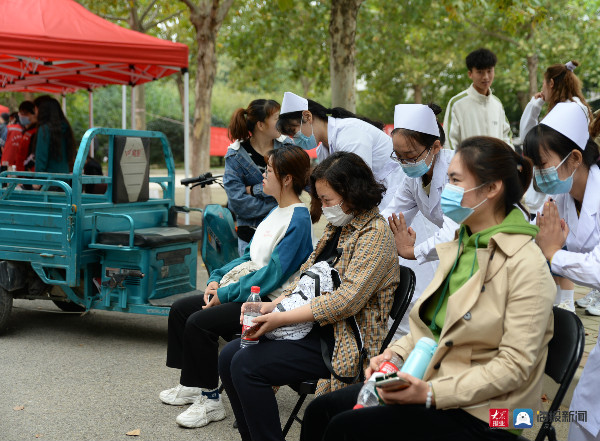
(12, 145)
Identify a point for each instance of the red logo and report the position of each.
(499, 418)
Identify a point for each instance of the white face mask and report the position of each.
(336, 215)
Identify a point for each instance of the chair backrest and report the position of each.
(564, 350)
(402, 297)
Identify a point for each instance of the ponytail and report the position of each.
(237, 126)
(566, 85)
(243, 121)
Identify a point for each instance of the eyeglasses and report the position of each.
(407, 160)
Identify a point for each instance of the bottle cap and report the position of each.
(255, 289)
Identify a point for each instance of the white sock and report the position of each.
(558, 297)
(566, 296)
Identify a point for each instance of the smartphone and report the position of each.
(392, 382)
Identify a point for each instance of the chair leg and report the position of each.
(294, 415)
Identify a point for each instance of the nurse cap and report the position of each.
(417, 117)
(570, 120)
(293, 103)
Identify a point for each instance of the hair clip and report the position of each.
(570, 66)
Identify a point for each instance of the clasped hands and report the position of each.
(553, 230)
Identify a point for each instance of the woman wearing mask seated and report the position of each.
(283, 240)
(344, 189)
(489, 307)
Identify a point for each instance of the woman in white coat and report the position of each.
(418, 141)
(312, 125)
(565, 160)
(560, 85)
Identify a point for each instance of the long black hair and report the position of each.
(50, 114)
(287, 122)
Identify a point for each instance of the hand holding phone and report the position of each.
(392, 382)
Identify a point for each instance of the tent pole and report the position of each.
(64, 104)
(91, 118)
(133, 107)
(123, 107)
(186, 137)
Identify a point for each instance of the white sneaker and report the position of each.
(180, 395)
(202, 412)
(567, 305)
(589, 299)
(594, 308)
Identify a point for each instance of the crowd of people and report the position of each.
(500, 224)
(496, 237)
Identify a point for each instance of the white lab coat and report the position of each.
(411, 198)
(374, 146)
(424, 214)
(581, 263)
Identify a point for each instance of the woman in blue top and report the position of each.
(282, 242)
(55, 144)
(254, 134)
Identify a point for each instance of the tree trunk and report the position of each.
(532, 67)
(206, 17)
(140, 107)
(418, 91)
(342, 66)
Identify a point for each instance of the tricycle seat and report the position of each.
(153, 237)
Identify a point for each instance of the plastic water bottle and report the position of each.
(251, 310)
(368, 397)
(419, 358)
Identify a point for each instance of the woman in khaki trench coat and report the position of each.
(489, 307)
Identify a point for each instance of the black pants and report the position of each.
(249, 373)
(331, 418)
(194, 339)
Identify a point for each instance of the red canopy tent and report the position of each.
(58, 46)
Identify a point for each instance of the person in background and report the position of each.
(489, 307)
(567, 167)
(12, 153)
(310, 125)
(55, 144)
(477, 111)
(253, 133)
(343, 189)
(560, 85)
(418, 141)
(4, 117)
(283, 240)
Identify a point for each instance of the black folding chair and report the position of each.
(564, 355)
(402, 297)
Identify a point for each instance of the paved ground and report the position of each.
(97, 376)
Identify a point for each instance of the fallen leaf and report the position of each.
(38, 435)
(544, 398)
(587, 333)
(136, 432)
(18, 407)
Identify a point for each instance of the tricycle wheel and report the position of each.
(69, 306)
(6, 301)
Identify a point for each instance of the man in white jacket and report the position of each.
(476, 111)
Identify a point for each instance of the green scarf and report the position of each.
(465, 264)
